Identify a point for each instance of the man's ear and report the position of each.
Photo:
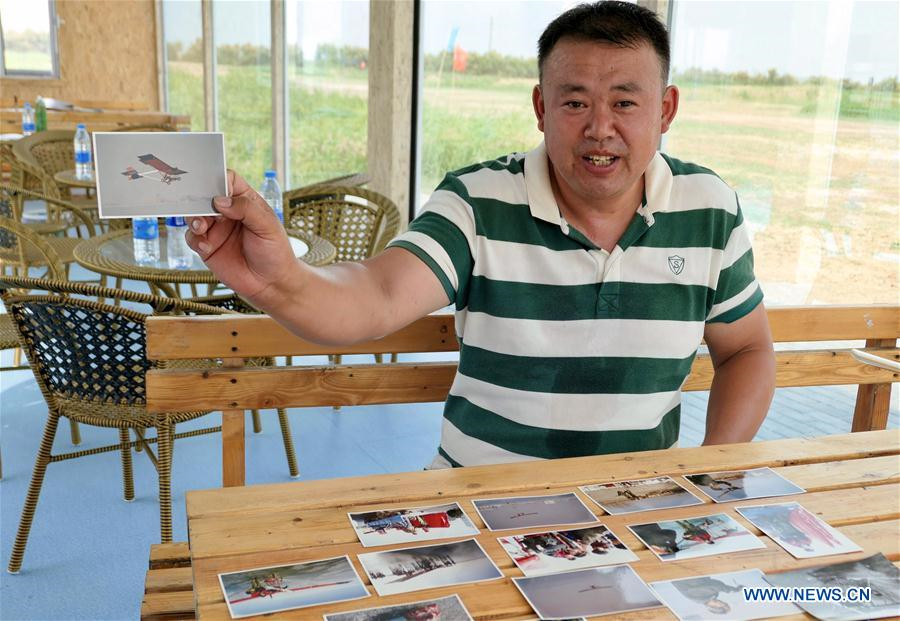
(537, 100)
(669, 108)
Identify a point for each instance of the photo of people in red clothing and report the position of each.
(549, 552)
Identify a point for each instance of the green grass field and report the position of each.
(816, 167)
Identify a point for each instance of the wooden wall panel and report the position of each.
(107, 52)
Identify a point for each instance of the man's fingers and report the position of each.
(199, 224)
(237, 185)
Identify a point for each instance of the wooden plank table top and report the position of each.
(852, 482)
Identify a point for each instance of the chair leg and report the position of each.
(257, 424)
(288, 443)
(74, 432)
(34, 490)
(164, 449)
(17, 356)
(127, 472)
(335, 360)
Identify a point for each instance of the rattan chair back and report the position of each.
(359, 222)
(25, 174)
(164, 127)
(52, 150)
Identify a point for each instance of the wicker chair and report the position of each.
(52, 151)
(89, 361)
(22, 175)
(357, 221)
(20, 257)
(12, 232)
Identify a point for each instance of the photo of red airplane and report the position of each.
(167, 173)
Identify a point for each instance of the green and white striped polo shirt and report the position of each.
(565, 349)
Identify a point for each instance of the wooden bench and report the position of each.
(168, 588)
(234, 389)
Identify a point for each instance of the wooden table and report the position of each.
(112, 254)
(852, 482)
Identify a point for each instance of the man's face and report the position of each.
(602, 109)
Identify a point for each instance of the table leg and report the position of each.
(233, 470)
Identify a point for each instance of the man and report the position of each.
(584, 274)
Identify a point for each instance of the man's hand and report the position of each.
(247, 248)
(744, 379)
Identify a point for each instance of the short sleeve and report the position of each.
(443, 237)
(737, 290)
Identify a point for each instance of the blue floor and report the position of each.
(87, 553)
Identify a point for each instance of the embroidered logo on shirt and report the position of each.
(676, 264)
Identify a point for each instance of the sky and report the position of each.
(835, 38)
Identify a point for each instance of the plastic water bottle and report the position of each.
(40, 115)
(82, 154)
(145, 232)
(179, 255)
(271, 192)
(27, 119)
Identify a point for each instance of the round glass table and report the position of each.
(112, 254)
(67, 177)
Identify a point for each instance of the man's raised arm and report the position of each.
(248, 250)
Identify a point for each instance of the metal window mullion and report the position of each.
(162, 63)
(279, 92)
(54, 44)
(210, 106)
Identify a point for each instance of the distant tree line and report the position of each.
(27, 41)
(773, 78)
(492, 63)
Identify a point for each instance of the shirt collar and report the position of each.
(542, 203)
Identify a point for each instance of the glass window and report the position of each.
(480, 66)
(29, 38)
(183, 32)
(244, 85)
(328, 88)
(795, 104)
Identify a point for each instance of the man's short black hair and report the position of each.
(609, 21)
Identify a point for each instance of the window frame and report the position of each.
(54, 52)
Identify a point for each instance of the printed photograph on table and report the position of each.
(263, 590)
(743, 484)
(875, 573)
(797, 530)
(448, 608)
(640, 495)
(675, 540)
(533, 511)
(159, 174)
(388, 526)
(719, 596)
(551, 552)
(587, 593)
(427, 567)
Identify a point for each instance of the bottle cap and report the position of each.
(270, 174)
(79, 126)
(175, 221)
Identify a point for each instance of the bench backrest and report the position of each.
(236, 338)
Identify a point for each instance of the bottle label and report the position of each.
(175, 221)
(28, 127)
(145, 228)
(82, 157)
